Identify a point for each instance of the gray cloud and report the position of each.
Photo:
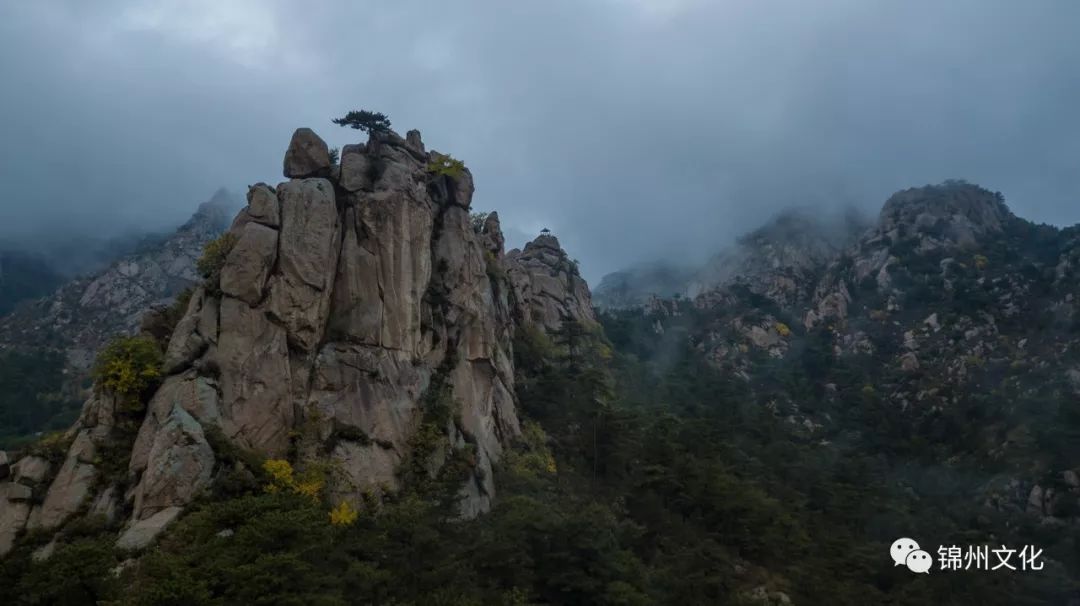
(632, 128)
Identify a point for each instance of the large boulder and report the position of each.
(14, 511)
(548, 288)
(143, 532)
(249, 263)
(178, 466)
(71, 488)
(357, 170)
(31, 470)
(307, 156)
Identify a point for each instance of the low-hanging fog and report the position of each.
(633, 129)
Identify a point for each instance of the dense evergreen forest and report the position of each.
(644, 476)
(31, 396)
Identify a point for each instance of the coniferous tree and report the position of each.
(368, 121)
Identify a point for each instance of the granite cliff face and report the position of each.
(80, 316)
(358, 307)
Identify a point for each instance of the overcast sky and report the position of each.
(632, 128)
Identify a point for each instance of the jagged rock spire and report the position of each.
(346, 300)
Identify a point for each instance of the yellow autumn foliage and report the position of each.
(281, 475)
(343, 514)
(783, 329)
(311, 488)
(128, 367)
(283, 478)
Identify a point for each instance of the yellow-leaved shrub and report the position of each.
(128, 368)
(343, 514)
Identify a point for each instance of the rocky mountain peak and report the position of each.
(547, 283)
(84, 313)
(361, 321)
(801, 238)
(780, 259)
(955, 211)
(216, 212)
(777, 260)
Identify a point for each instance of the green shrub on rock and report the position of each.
(129, 368)
(213, 259)
(446, 165)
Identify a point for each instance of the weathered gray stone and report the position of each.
(13, 514)
(493, 236)
(256, 378)
(17, 492)
(194, 333)
(356, 169)
(106, 505)
(67, 493)
(413, 140)
(196, 395)
(309, 244)
(178, 466)
(5, 465)
(249, 263)
(334, 317)
(547, 285)
(307, 156)
(369, 467)
(31, 470)
(263, 205)
(143, 532)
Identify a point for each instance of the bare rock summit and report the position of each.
(353, 315)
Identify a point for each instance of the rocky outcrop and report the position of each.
(949, 306)
(780, 261)
(349, 311)
(83, 314)
(954, 213)
(307, 156)
(547, 284)
(142, 533)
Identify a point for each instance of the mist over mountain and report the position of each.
(656, 311)
(634, 129)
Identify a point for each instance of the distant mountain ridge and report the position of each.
(84, 312)
(798, 241)
(950, 316)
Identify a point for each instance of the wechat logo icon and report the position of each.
(906, 552)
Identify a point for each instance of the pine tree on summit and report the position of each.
(367, 121)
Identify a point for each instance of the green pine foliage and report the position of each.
(364, 120)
